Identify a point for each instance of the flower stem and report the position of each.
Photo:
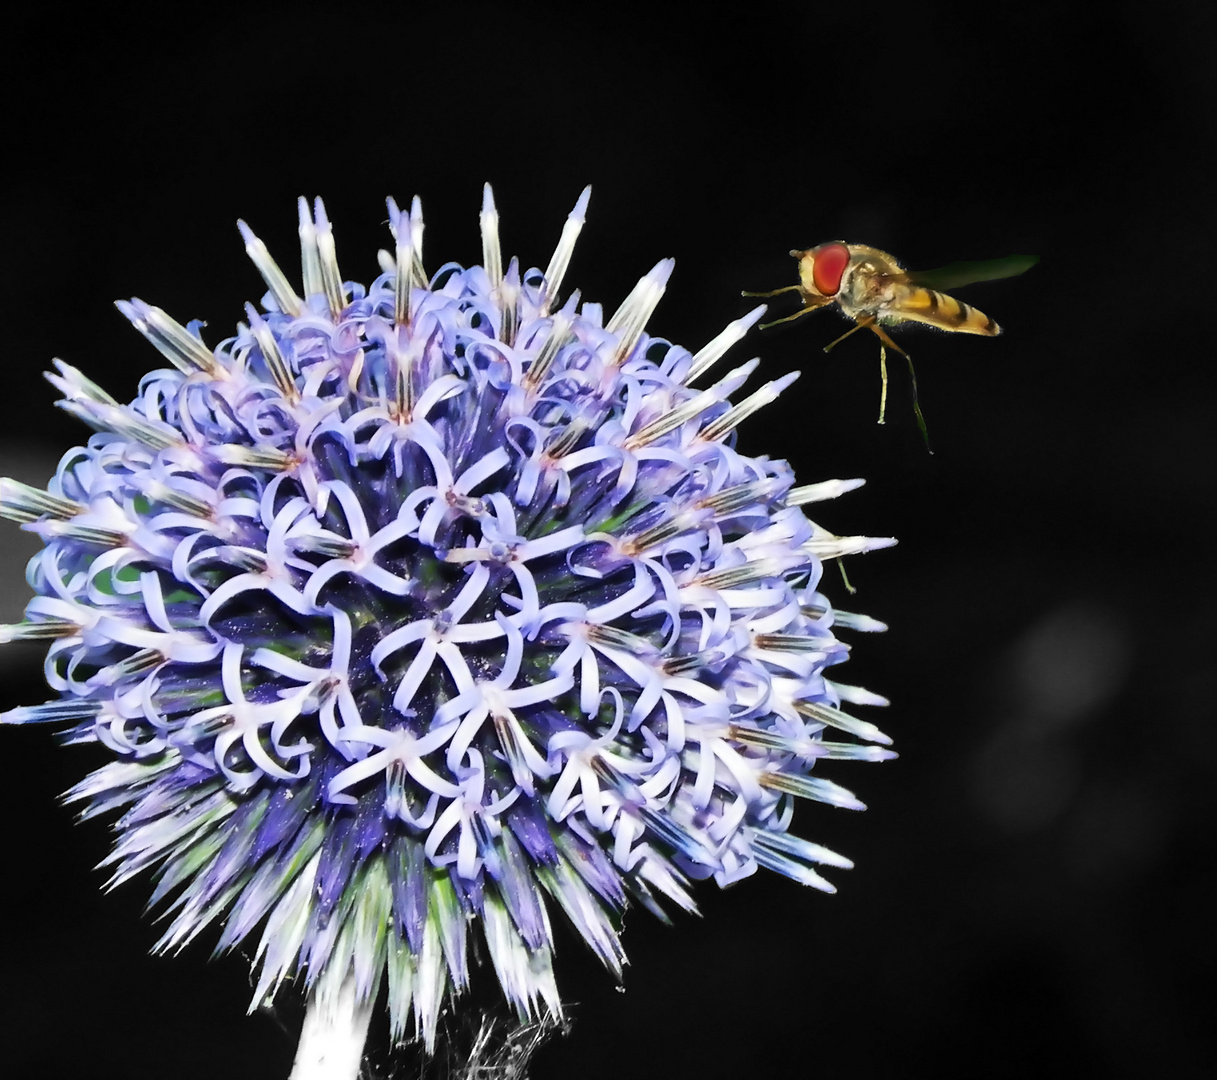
(332, 1038)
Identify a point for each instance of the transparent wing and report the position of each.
(956, 275)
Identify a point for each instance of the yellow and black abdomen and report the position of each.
(920, 304)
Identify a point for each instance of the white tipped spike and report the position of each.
(21, 502)
(736, 377)
(276, 281)
(76, 385)
(327, 256)
(558, 265)
(279, 370)
(630, 319)
(42, 630)
(492, 253)
(672, 419)
(509, 294)
(172, 340)
(122, 421)
(834, 547)
(554, 340)
(821, 492)
(719, 427)
(399, 225)
(857, 695)
(733, 332)
(309, 263)
(850, 620)
(835, 718)
(416, 242)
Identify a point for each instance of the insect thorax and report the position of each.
(866, 288)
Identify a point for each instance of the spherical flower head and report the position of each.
(411, 612)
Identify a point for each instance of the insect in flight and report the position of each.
(873, 289)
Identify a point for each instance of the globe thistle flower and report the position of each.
(415, 613)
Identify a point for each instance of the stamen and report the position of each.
(74, 384)
(718, 428)
(403, 268)
(509, 294)
(121, 421)
(52, 712)
(839, 751)
(416, 242)
(279, 370)
(137, 663)
(826, 714)
(276, 281)
(718, 346)
(179, 500)
(730, 500)
(43, 630)
(732, 577)
(556, 271)
(802, 849)
(847, 620)
(565, 443)
(558, 333)
(630, 319)
(821, 492)
(682, 665)
(309, 260)
(762, 739)
(403, 383)
(253, 457)
(172, 340)
(792, 643)
(672, 419)
(492, 255)
(811, 787)
(20, 502)
(657, 534)
(835, 547)
(327, 257)
(86, 534)
(613, 638)
(332, 547)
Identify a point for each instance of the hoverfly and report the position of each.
(873, 289)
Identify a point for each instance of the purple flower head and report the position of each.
(413, 611)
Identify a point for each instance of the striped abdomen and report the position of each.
(938, 309)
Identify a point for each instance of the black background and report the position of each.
(1034, 880)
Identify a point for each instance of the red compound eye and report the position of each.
(828, 264)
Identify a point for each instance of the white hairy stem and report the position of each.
(332, 1038)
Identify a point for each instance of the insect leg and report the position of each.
(789, 318)
(881, 334)
(917, 407)
(774, 292)
(845, 577)
(852, 330)
(883, 377)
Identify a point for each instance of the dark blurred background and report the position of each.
(1035, 875)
